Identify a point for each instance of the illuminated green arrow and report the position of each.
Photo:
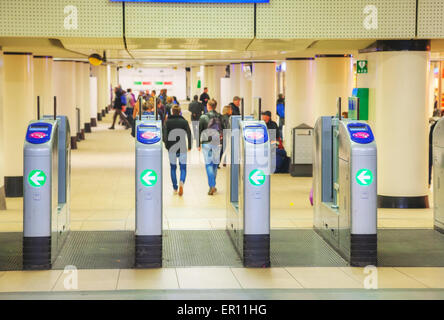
(257, 177)
(148, 178)
(37, 178)
(364, 177)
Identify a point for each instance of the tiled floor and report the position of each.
(102, 194)
(221, 278)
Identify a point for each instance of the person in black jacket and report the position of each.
(196, 109)
(175, 131)
(271, 125)
(235, 111)
(204, 98)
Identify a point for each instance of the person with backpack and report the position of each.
(119, 103)
(226, 114)
(197, 110)
(175, 133)
(211, 129)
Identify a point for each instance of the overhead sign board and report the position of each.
(197, 1)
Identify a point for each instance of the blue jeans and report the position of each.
(173, 156)
(212, 158)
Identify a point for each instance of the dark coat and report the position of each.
(235, 111)
(173, 123)
(196, 108)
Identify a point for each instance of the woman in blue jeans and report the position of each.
(182, 157)
(211, 128)
(176, 130)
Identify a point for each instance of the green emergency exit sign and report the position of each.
(362, 66)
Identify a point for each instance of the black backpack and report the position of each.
(215, 123)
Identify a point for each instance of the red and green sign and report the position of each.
(157, 83)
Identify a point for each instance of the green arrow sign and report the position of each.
(148, 178)
(37, 178)
(364, 177)
(257, 177)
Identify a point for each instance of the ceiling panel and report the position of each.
(61, 18)
(336, 19)
(189, 20)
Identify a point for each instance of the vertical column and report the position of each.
(109, 86)
(80, 100)
(205, 79)
(246, 88)
(430, 89)
(2, 145)
(219, 72)
(299, 108)
(65, 91)
(94, 102)
(398, 93)
(113, 77)
(44, 84)
(264, 85)
(235, 78)
(210, 81)
(18, 110)
(333, 79)
(86, 98)
(114, 82)
(194, 79)
(102, 91)
(188, 82)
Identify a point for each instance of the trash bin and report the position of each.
(302, 157)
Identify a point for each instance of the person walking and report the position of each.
(204, 98)
(226, 114)
(196, 109)
(169, 106)
(119, 102)
(175, 133)
(130, 103)
(210, 137)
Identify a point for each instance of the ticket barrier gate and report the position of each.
(248, 202)
(438, 176)
(46, 199)
(345, 188)
(149, 198)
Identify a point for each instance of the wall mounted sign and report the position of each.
(362, 66)
(157, 83)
